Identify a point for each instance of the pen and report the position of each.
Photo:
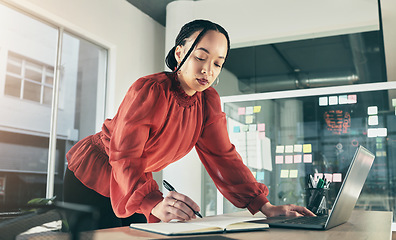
(170, 188)
(321, 183)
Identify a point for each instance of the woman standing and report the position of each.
(162, 117)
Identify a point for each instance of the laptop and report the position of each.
(344, 202)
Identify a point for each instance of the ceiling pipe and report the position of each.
(303, 80)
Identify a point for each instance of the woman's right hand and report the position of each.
(175, 206)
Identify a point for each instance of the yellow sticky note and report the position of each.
(284, 173)
(293, 174)
(249, 119)
(307, 148)
(257, 109)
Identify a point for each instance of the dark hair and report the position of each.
(185, 32)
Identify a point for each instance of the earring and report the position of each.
(216, 82)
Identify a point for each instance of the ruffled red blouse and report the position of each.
(156, 124)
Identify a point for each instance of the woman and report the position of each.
(162, 117)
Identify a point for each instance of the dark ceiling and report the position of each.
(156, 9)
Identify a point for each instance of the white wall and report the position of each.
(254, 22)
(135, 40)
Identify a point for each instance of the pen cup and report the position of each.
(317, 200)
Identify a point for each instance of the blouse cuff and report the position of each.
(255, 205)
(148, 203)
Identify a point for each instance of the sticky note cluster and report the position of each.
(297, 153)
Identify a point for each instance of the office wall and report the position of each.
(255, 22)
(135, 40)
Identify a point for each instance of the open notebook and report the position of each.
(212, 224)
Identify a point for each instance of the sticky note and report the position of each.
(249, 119)
(293, 173)
(337, 177)
(323, 101)
(249, 110)
(352, 99)
(278, 159)
(260, 176)
(373, 120)
(343, 99)
(372, 110)
(307, 158)
(261, 135)
(297, 158)
(298, 148)
(261, 127)
(372, 132)
(280, 149)
(307, 148)
(256, 109)
(284, 173)
(241, 111)
(252, 127)
(237, 129)
(333, 100)
(289, 159)
(328, 176)
(318, 175)
(289, 148)
(245, 128)
(382, 132)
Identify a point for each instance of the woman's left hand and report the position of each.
(289, 210)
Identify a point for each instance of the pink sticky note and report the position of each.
(337, 177)
(307, 158)
(241, 111)
(329, 177)
(279, 159)
(289, 159)
(261, 127)
(352, 99)
(297, 158)
(318, 175)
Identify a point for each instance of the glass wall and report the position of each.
(302, 108)
(283, 140)
(28, 87)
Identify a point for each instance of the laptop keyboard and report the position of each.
(319, 220)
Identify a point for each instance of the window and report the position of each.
(32, 160)
(28, 79)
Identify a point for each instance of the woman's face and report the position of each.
(204, 64)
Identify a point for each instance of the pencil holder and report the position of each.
(317, 200)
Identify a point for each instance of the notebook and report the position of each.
(211, 224)
(344, 202)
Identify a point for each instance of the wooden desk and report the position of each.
(362, 225)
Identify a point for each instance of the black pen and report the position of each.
(170, 188)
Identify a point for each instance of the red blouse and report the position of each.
(156, 124)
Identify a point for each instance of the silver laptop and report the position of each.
(344, 202)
